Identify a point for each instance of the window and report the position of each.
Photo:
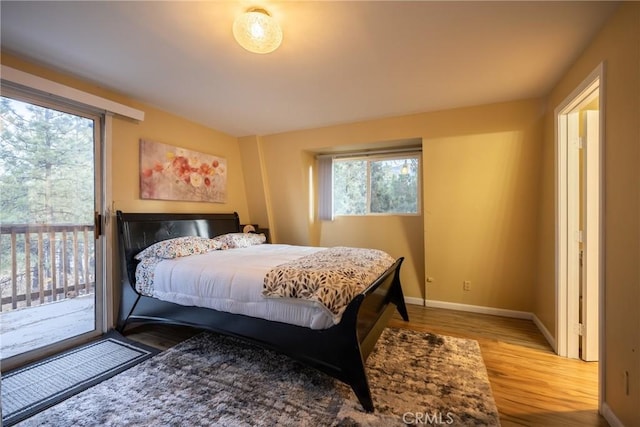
(386, 184)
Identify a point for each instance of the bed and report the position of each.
(340, 350)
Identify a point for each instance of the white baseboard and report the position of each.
(479, 309)
(486, 310)
(611, 418)
(414, 301)
(548, 336)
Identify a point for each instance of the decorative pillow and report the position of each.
(240, 240)
(179, 247)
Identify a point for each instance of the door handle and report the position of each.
(97, 225)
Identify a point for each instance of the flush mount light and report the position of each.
(256, 31)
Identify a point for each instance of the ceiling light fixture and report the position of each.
(257, 31)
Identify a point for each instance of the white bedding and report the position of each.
(235, 284)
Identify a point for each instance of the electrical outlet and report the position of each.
(466, 285)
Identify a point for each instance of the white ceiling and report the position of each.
(340, 62)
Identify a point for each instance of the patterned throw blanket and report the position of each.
(331, 277)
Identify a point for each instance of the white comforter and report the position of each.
(232, 281)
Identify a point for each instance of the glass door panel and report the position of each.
(47, 243)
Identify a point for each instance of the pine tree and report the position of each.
(46, 177)
(392, 185)
(46, 165)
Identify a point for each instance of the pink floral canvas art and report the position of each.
(174, 173)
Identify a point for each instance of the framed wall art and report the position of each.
(174, 173)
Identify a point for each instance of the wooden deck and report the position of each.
(34, 327)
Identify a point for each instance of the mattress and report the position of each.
(232, 281)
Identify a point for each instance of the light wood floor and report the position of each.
(531, 385)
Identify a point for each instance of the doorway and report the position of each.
(50, 249)
(579, 141)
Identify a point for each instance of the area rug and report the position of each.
(32, 388)
(211, 380)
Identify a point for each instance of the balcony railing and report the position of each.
(45, 263)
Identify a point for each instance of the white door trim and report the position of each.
(566, 226)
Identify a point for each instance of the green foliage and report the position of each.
(377, 186)
(46, 165)
(46, 177)
(350, 187)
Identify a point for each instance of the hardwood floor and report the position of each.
(531, 385)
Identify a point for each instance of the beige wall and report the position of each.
(618, 46)
(480, 192)
(161, 127)
(255, 182)
(481, 196)
(169, 129)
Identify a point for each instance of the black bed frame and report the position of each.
(340, 351)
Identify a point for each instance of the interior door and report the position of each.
(589, 310)
(574, 234)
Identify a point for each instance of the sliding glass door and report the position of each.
(50, 252)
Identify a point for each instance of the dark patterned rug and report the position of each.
(415, 378)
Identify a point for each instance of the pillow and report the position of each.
(240, 240)
(179, 247)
